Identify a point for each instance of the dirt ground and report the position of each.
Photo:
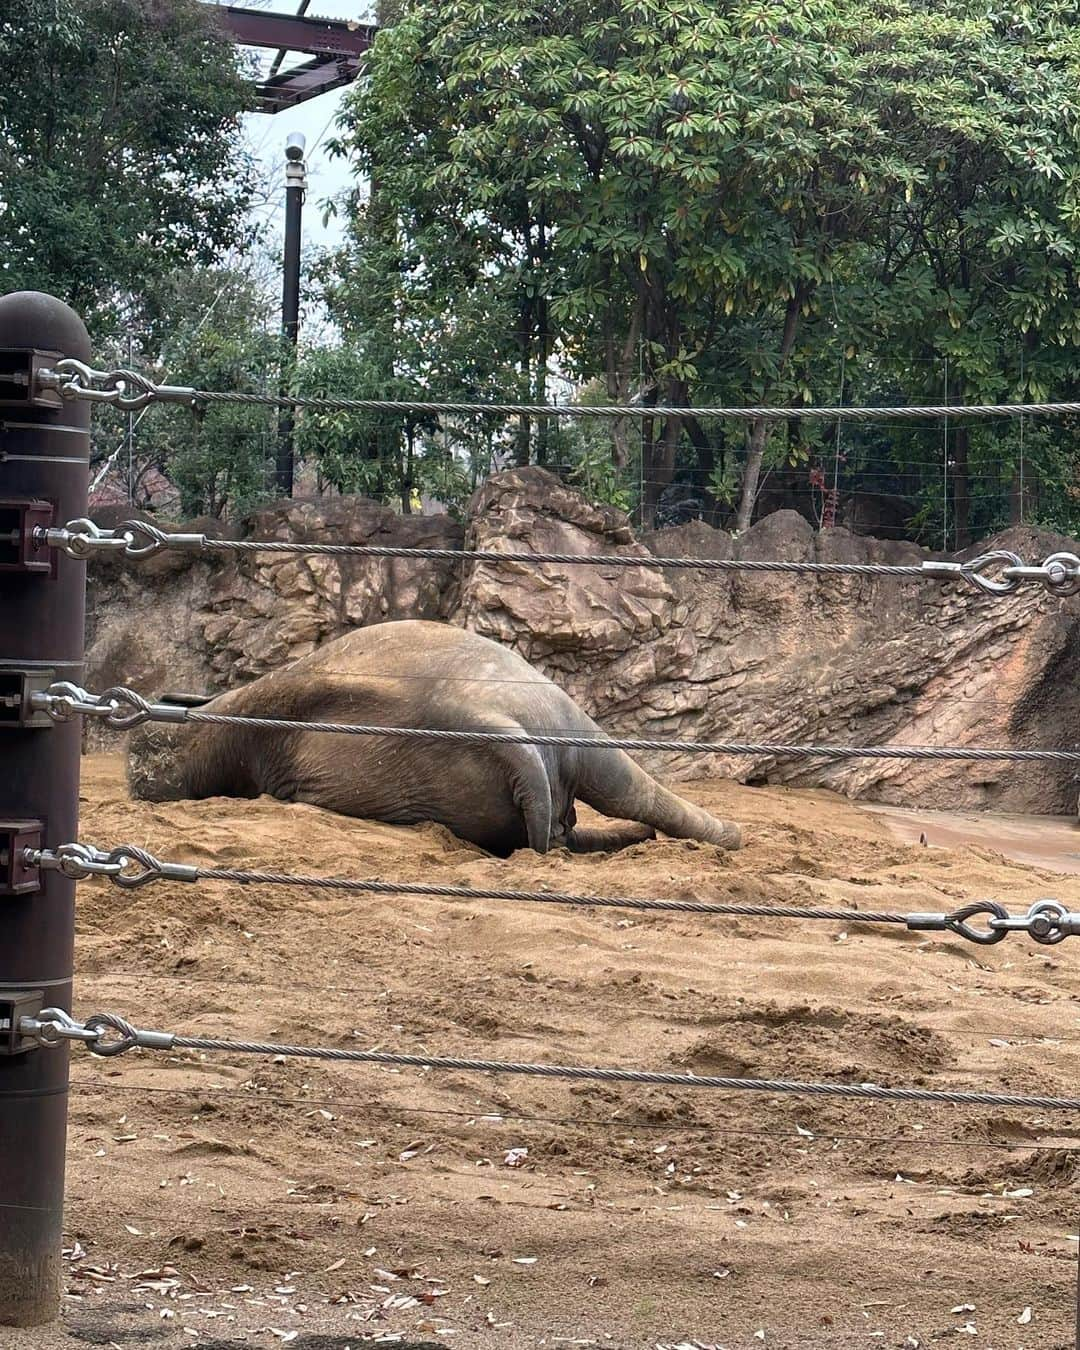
(219, 1201)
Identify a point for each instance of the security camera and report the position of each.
(294, 146)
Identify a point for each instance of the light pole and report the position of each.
(295, 184)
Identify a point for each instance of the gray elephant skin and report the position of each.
(420, 674)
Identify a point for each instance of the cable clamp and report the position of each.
(147, 868)
(957, 922)
(143, 540)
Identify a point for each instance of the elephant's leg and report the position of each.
(582, 839)
(611, 783)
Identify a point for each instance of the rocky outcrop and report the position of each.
(184, 621)
(682, 654)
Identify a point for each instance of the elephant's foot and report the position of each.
(607, 840)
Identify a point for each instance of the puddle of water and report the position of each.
(1050, 842)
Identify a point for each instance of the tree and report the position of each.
(984, 250)
(119, 158)
(693, 200)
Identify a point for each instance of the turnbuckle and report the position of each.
(83, 539)
(119, 707)
(124, 389)
(1047, 922)
(1002, 572)
(127, 865)
(74, 861)
(53, 1026)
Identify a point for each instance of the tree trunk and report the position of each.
(618, 369)
(961, 498)
(649, 491)
(756, 440)
(705, 456)
(758, 433)
(407, 476)
(659, 469)
(523, 444)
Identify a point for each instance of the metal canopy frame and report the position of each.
(335, 47)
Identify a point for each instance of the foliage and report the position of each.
(382, 455)
(691, 201)
(210, 329)
(118, 154)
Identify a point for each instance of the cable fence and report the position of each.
(997, 573)
(130, 868)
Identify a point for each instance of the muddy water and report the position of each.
(1051, 842)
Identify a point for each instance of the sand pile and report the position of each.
(220, 1202)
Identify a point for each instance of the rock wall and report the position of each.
(657, 653)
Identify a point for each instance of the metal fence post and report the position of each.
(44, 471)
(295, 187)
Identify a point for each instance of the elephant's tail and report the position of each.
(614, 785)
(530, 784)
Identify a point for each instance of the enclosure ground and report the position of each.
(216, 1202)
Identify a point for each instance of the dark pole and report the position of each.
(44, 468)
(295, 182)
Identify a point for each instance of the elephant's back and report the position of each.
(411, 673)
(415, 647)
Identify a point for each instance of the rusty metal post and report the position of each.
(44, 471)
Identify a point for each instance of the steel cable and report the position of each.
(547, 897)
(604, 742)
(129, 389)
(638, 412)
(127, 1037)
(458, 555)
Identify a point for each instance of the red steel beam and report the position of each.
(296, 33)
(305, 81)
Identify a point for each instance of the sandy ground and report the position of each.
(218, 1202)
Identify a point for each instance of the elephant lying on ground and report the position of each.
(420, 674)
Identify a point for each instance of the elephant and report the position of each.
(417, 673)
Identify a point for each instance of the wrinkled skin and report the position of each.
(420, 674)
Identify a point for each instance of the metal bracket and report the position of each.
(20, 386)
(17, 876)
(22, 547)
(17, 698)
(13, 1008)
